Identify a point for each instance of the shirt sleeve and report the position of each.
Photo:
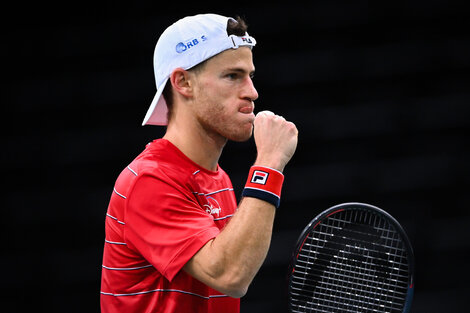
(166, 224)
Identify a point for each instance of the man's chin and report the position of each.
(242, 137)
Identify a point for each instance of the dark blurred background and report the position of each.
(379, 91)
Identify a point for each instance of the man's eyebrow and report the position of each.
(240, 70)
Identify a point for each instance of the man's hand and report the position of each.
(275, 138)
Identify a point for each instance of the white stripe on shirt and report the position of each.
(212, 193)
(222, 218)
(126, 268)
(121, 195)
(115, 218)
(134, 172)
(115, 242)
(162, 290)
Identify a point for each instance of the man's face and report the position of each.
(224, 95)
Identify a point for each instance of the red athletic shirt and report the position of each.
(163, 209)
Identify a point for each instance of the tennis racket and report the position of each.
(353, 257)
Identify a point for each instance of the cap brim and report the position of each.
(158, 110)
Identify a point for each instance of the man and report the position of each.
(175, 239)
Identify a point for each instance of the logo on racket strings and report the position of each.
(358, 246)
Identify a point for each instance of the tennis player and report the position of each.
(176, 240)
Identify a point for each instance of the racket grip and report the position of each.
(264, 183)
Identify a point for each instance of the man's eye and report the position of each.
(232, 75)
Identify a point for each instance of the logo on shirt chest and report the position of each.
(212, 207)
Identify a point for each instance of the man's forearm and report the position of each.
(229, 262)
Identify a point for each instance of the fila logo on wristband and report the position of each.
(264, 183)
(259, 177)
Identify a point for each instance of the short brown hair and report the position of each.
(236, 27)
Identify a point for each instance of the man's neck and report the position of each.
(196, 143)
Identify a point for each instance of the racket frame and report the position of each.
(356, 206)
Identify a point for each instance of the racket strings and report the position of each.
(353, 261)
(350, 275)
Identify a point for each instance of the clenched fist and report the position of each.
(275, 138)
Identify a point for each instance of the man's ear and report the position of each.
(181, 81)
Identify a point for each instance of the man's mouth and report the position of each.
(246, 110)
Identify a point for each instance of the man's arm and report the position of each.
(229, 262)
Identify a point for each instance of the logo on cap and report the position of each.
(247, 40)
(184, 46)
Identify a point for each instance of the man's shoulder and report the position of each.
(163, 160)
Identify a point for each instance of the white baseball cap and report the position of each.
(186, 43)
